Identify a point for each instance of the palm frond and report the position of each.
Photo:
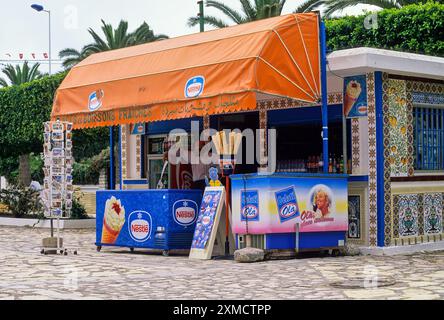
(333, 6)
(34, 72)
(309, 5)
(69, 52)
(97, 39)
(208, 20)
(20, 74)
(3, 83)
(229, 12)
(248, 9)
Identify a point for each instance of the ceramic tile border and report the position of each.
(387, 170)
(273, 104)
(372, 197)
(124, 158)
(138, 156)
(410, 135)
(426, 87)
(263, 124)
(421, 214)
(355, 145)
(206, 122)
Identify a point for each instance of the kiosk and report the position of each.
(228, 78)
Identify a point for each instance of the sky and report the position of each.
(25, 31)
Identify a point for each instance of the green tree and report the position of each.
(259, 9)
(113, 39)
(23, 109)
(334, 6)
(20, 74)
(413, 28)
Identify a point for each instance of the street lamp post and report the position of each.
(40, 8)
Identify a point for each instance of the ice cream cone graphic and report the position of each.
(352, 92)
(113, 220)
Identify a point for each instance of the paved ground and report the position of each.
(118, 274)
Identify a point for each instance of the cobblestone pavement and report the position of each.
(115, 273)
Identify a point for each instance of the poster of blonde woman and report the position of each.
(322, 200)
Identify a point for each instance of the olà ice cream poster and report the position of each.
(355, 96)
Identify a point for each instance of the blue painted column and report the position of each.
(120, 157)
(111, 158)
(324, 97)
(380, 203)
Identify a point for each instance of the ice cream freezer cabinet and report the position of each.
(291, 210)
(153, 219)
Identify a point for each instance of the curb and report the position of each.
(46, 224)
(408, 249)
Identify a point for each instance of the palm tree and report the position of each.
(20, 74)
(114, 39)
(260, 9)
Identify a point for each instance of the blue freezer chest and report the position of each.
(154, 219)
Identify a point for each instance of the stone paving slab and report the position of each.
(115, 273)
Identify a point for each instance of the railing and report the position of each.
(428, 129)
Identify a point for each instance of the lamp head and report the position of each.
(37, 7)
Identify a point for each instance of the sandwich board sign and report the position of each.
(207, 223)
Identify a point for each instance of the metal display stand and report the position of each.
(58, 188)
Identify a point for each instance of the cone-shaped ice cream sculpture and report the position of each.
(352, 92)
(227, 146)
(113, 220)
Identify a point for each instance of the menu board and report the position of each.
(207, 223)
(58, 160)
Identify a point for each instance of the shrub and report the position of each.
(78, 210)
(21, 202)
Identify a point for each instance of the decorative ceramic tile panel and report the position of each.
(408, 207)
(433, 208)
(397, 127)
(354, 216)
(372, 159)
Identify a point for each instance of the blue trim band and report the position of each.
(379, 159)
(135, 182)
(358, 178)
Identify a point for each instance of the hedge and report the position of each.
(417, 28)
(24, 108)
